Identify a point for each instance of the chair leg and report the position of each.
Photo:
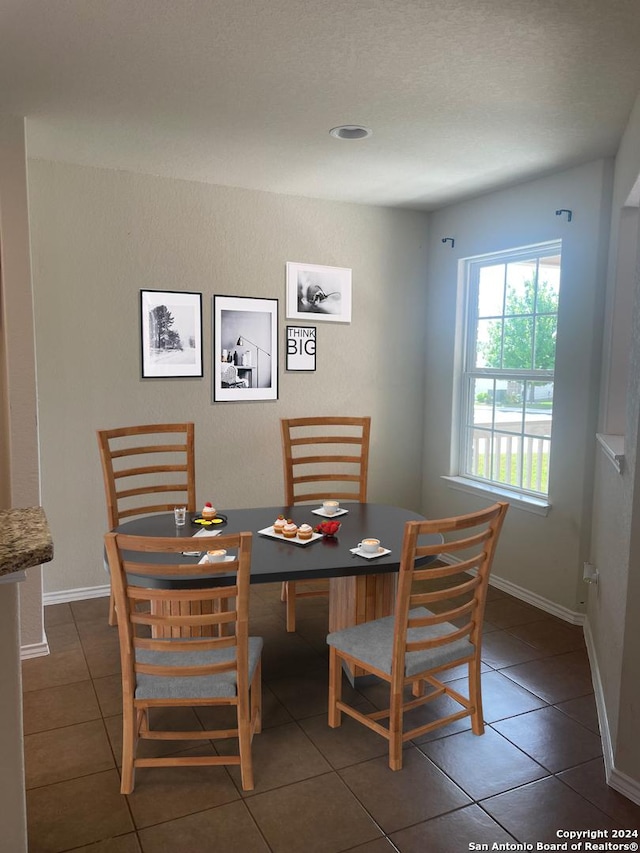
(335, 688)
(244, 743)
(283, 591)
(129, 738)
(475, 695)
(395, 730)
(291, 606)
(256, 699)
(113, 619)
(418, 688)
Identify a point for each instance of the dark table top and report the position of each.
(281, 560)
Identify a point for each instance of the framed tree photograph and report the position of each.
(318, 293)
(245, 349)
(171, 333)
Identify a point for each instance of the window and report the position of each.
(508, 373)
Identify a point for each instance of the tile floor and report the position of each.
(538, 768)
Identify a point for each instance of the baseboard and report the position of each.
(34, 650)
(66, 595)
(625, 785)
(519, 592)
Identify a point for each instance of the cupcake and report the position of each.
(278, 524)
(305, 531)
(289, 530)
(208, 512)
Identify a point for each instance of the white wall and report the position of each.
(98, 236)
(615, 550)
(541, 554)
(20, 478)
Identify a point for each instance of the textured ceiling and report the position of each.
(462, 95)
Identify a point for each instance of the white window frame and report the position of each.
(537, 501)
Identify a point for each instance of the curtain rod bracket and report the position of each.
(568, 212)
(449, 240)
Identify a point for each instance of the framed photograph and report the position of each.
(170, 333)
(301, 348)
(318, 293)
(245, 349)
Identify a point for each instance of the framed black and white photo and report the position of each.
(170, 333)
(301, 348)
(245, 349)
(318, 293)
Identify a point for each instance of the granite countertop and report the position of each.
(25, 539)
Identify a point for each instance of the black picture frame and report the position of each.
(171, 334)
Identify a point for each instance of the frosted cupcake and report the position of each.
(278, 524)
(290, 530)
(305, 531)
(208, 512)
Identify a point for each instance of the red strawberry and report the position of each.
(208, 503)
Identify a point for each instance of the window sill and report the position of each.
(539, 506)
(613, 449)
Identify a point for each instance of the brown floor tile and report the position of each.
(166, 793)
(122, 844)
(493, 593)
(176, 719)
(501, 697)
(534, 813)
(53, 670)
(551, 738)
(508, 611)
(319, 815)
(80, 811)
(227, 828)
(57, 614)
(459, 828)
(502, 649)
(61, 637)
(59, 706)
(273, 713)
(379, 845)
(349, 744)
(66, 753)
(90, 609)
(439, 707)
(281, 756)
(102, 655)
(550, 636)
(461, 671)
(589, 781)
(109, 692)
(554, 679)
(482, 765)
(396, 799)
(583, 709)
(307, 694)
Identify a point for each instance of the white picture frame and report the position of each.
(245, 349)
(318, 293)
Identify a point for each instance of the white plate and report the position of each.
(202, 532)
(227, 559)
(369, 556)
(268, 531)
(325, 514)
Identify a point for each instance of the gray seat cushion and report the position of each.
(194, 686)
(372, 643)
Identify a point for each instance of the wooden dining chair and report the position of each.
(146, 469)
(437, 624)
(168, 655)
(324, 457)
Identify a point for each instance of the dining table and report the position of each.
(360, 588)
